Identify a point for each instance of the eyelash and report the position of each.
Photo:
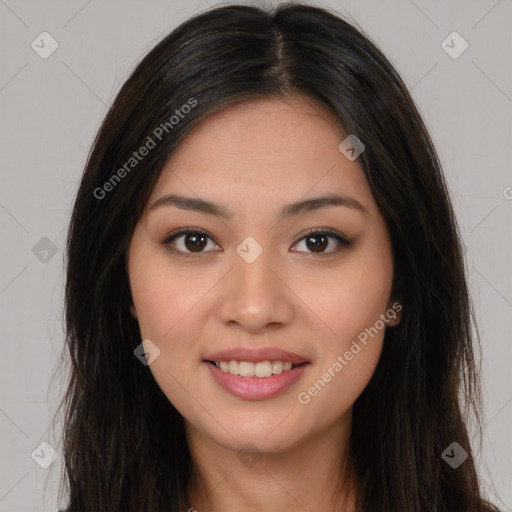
(344, 243)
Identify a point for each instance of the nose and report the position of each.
(255, 295)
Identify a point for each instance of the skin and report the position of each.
(253, 158)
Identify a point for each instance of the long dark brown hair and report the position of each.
(124, 445)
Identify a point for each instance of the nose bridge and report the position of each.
(251, 271)
(253, 295)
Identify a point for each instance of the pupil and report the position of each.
(319, 245)
(197, 241)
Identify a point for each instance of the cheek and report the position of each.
(350, 302)
(332, 389)
(162, 295)
(350, 299)
(170, 306)
(165, 300)
(350, 349)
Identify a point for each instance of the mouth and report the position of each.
(255, 381)
(263, 369)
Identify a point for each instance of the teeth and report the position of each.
(245, 369)
(233, 367)
(277, 367)
(248, 369)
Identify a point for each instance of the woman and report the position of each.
(266, 301)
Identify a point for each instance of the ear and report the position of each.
(133, 311)
(394, 306)
(132, 308)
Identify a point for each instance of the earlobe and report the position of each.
(394, 322)
(394, 313)
(133, 311)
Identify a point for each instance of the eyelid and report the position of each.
(343, 241)
(166, 242)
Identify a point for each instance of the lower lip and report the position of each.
(255, 388)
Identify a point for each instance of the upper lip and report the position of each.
(256, 355)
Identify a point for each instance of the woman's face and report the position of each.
(253, 281)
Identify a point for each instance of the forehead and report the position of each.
(279, 148)
(262, 127)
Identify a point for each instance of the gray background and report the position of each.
(51, 108)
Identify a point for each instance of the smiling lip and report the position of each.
(255, 388)
(253, 355)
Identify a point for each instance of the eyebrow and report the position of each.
(297, 208)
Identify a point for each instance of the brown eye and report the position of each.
(317, 241)
(189, 241)
(194, 242)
